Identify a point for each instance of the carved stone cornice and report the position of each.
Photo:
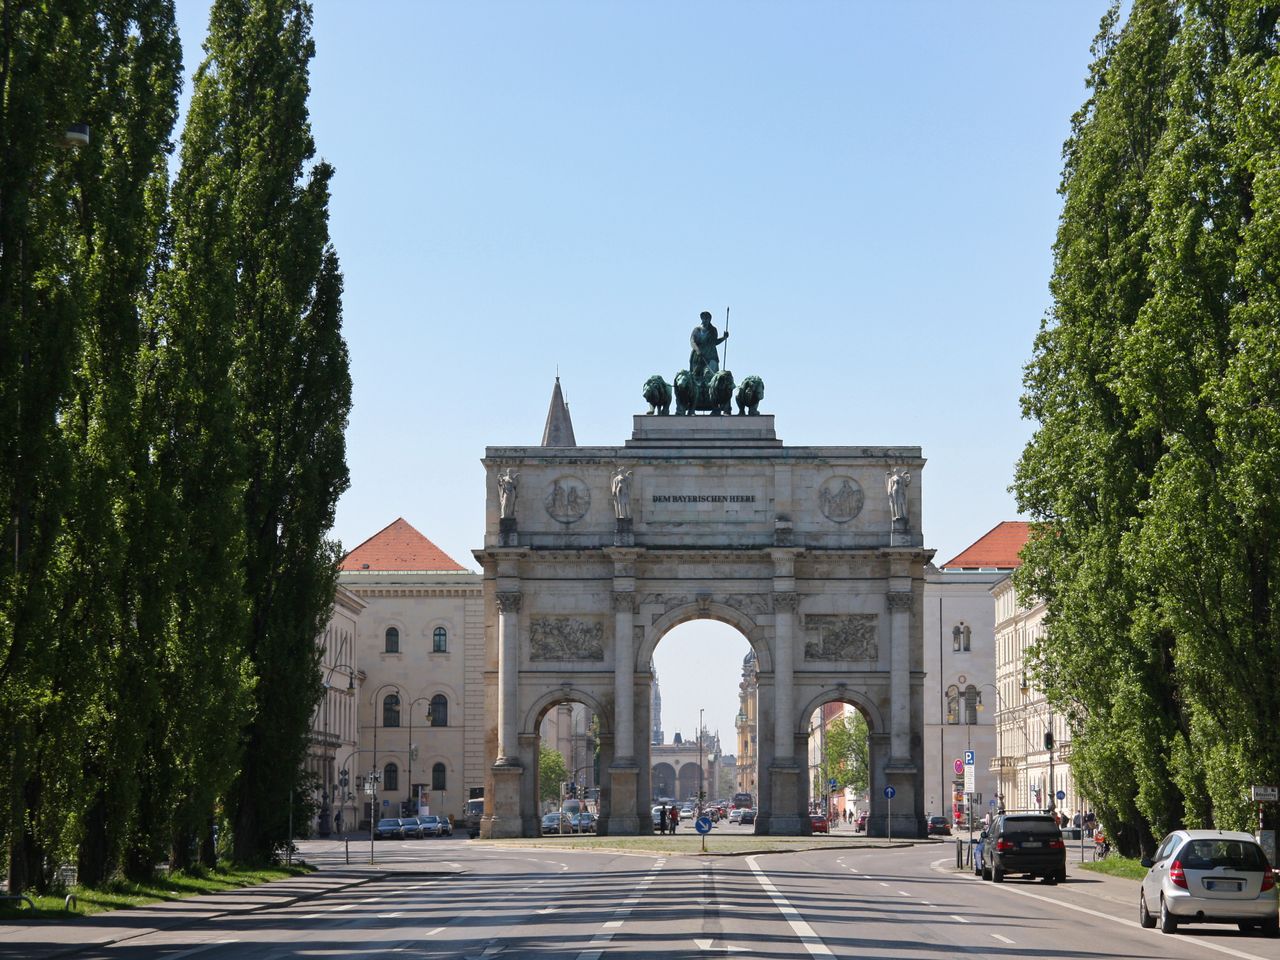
(900, 600)
(509, 601)
(625, 602)
(786, 602)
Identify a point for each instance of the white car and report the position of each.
(1209, 876)
(735, 815)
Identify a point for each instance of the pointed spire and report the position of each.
(559, 429)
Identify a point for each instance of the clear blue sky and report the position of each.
(526, 186)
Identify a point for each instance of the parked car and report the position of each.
(556, 823)
(735, 815)
(388, 829)
(584, 822)
(1025, 843)
(860, 824)
(748, 816)
(411, 829)
(1209, 876)
(819, 823)
(446, 827)
(431, 825)
(938, 827)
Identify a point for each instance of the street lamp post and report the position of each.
(701, 784)
(413, 794)
(326, 795)
(376, 774)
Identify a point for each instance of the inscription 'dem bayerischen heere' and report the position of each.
(704, 498)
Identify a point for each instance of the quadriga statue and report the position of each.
(715, 395)
(749, 396)
(657, 393)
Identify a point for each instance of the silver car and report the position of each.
(1209, 876)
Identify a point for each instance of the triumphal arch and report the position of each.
(592, 554)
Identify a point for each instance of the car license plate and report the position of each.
(1234, 886)
(1027, 844)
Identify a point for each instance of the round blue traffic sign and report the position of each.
(890, 793)
(1061, 794)
(702, 824)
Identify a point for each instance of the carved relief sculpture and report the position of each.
(895, 484)
(840, 499)
(507, 484)
(842, 637)
(565, 638)
(620, 487)
(568, 500)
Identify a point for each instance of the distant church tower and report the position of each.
(655, 708)
(559, 429)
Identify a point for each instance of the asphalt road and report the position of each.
(454, 898)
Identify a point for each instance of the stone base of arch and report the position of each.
(624, 779)
(787, 802)
(504, 819)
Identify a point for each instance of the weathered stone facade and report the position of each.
(803, 549)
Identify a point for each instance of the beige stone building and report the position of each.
(419, 653)
(962, 698)
(1028, 774)
(746, 723)
(333, 725)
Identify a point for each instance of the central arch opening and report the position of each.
(703, 733)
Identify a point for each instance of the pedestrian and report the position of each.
(675, 819)
(662, 819)
(1077, 821)
(337, 822)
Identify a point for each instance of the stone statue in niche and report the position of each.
(507, 484)
(620, 487)
(896, 482)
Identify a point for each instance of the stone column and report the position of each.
(900, 678)
(784, 618)
(508, 673)
(624, 681)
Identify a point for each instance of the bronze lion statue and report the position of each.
(657, 393)
(749, 396)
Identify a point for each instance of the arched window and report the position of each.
(439, 710)
(438, 777)
(391, 710)
(953, 704)
(971, 704)
(390, 777)
(393, 641)
(440, 640)
(961, 637)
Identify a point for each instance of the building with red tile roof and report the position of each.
(399, 548)
(997, 549)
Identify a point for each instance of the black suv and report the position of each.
(1025, 843)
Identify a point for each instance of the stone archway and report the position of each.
(791, 546)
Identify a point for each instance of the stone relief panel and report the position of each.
(842, 636)
(840, 499)
(565, 638)
(568, 499)
(752, 604)
(668, 602)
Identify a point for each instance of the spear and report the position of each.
(726, 338)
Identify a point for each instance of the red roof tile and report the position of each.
(997, 548)
(398, 547)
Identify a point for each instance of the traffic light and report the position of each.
(570, 789)
(1048, 739)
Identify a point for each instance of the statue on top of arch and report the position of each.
(704, 386)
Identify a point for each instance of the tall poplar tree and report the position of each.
(248, 146)
(1152, 471)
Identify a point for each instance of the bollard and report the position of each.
(347, 845)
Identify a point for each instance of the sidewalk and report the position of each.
(47, 939)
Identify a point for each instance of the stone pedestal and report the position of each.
(785, 817)
(903, 809)
(623, 802)
(504, 809)
(623, 535)
(508, 535)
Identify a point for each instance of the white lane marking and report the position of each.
(709, 945)
(812, 942)
(613, 923)
(883, 884)
(345, 906)
(601, 940)
(903, 893)
(1206, 944)
(203, 946)
(432, 933)
(370, 899)
(1002, 939)
(956, 916)
(388, 916)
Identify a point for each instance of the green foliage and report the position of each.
(848, 753)
(1152, 474)
(552, 771)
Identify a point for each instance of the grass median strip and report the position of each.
(692, 845)
(124, 894)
